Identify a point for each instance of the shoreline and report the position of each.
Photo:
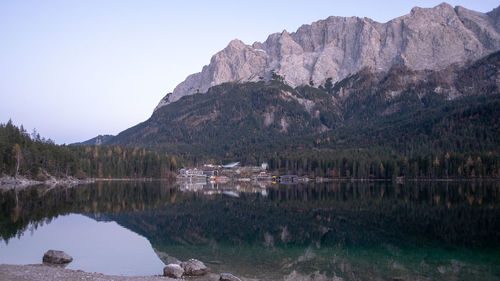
(43, 272)
(21, 182)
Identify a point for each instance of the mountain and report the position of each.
(99, 140)
(430, 111)
(455, 108)
(424, 39)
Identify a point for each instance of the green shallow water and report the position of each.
(348, 231)
(386, 262)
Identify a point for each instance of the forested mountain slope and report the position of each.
(401, 114)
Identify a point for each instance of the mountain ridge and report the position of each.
(424, 39)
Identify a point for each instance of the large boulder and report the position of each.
(56, 257)
(228, 277)
(194, 267)
(173, 271)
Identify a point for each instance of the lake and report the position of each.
(348, 230)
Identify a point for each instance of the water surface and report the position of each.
(103, 247)
(353, 231)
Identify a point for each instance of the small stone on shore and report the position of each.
(228, 277)
(173, 271)
(193, 267)
(56, 257)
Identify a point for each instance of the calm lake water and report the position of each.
(353, 231)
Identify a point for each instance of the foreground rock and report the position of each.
(228, 277)
(56, 257)
(193, 267)
(173, 270)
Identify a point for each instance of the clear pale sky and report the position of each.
(76, 69)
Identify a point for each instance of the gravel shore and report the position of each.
(39, 272)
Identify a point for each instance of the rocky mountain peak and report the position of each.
(236, 44)
(443, 8)
(424, 39)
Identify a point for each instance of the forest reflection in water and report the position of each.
(352, 230)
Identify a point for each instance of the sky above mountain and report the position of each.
(76, 69)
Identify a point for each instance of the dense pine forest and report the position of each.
(371, 164)
(38, 158)
(440, 139)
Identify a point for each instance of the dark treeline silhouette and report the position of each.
(38, 158)
(35, 157)
(368, 164)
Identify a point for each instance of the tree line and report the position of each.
(39, 158)
(368, 164)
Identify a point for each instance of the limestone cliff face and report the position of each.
(336, 47)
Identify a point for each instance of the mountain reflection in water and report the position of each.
(354, 231)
